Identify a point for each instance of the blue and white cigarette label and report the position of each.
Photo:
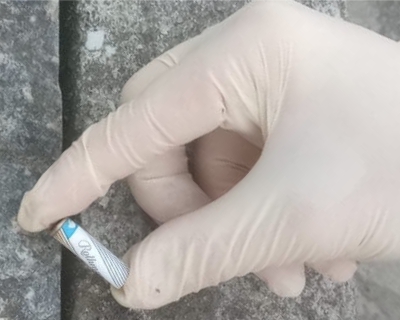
(93, 253)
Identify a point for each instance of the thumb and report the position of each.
(222, 240)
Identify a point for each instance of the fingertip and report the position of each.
(119, 296)
(344, 273)
(338, 271)
(286, 281)
(125, 301)
(26, 217)
(287, 291)
(135, 292)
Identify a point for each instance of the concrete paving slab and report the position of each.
(30, 140)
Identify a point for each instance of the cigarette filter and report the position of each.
(92, 252)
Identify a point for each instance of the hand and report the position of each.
(301, 108)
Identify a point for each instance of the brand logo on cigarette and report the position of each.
(86, 248)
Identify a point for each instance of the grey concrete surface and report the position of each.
(378, 291)
(104, 43)
(30, 140)
(382, 17)
(378, 285)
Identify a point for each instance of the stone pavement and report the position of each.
(30, 140)
(103, 43)
(382, 17)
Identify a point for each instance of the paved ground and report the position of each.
(380, 16)
(99, 54)
(378, 285)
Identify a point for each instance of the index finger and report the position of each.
(180, 106)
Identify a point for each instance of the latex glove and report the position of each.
(319, 97)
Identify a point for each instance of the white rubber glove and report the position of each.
(320, 97)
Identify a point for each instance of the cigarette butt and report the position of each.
(92, 252)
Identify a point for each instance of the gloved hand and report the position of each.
(309, 103)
